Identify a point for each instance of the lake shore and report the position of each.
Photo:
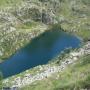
(27, 78)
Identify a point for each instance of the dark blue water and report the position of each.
(39, 51)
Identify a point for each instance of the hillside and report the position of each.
(19, 18)
(23, 20)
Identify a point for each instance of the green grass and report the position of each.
(7, 3)
(27, 25)
(85, 34)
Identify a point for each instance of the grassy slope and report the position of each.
(9, 45)
(75, 77)
(8, 3)
(77, 14)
